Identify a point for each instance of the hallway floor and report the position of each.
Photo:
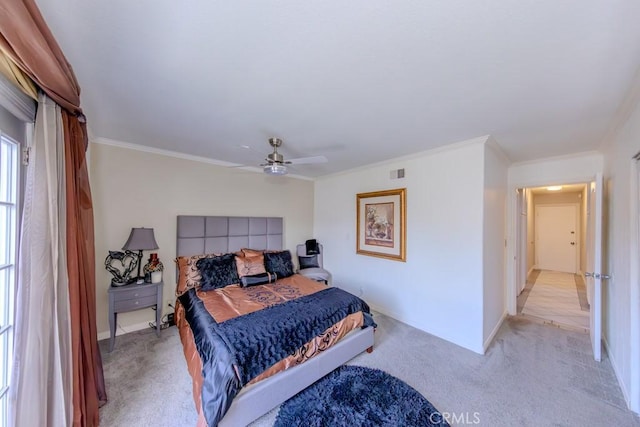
(557, 298)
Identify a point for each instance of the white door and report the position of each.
(556, 238)
(594, 264)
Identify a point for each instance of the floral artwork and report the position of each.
(381, 224)
(379, 231)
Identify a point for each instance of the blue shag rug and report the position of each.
(358, 396)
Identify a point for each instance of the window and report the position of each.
(8, 247)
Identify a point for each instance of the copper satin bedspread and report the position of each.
(234, 300)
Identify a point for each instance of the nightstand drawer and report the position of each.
(146, 291)
(135, 303)
(134, 297)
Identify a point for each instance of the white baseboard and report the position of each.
(530, 270)
(493, 333)
(616, 370)
(121, 330)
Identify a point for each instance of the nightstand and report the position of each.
(134, 297)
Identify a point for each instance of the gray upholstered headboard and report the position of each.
(221, 234)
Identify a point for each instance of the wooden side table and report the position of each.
(134, 297)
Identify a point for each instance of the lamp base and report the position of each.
(139, 279)
(116, 283)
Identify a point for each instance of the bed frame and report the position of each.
(221, 234)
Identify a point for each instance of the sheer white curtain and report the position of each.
(41, 386)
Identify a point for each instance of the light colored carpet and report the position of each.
(554, 297)
(532, 374)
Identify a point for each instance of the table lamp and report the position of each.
(140, 239)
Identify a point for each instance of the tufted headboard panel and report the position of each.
(221, 234)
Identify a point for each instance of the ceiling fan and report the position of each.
(275, 164)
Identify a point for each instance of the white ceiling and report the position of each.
(358, 82)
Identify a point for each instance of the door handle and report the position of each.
(573, 243)
(597, 276)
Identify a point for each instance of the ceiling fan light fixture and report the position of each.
(275, 169)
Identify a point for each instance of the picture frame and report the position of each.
(381, 224)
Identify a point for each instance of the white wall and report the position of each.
(494, 234)
(621, 293)
(581, 167)
(139, 189)
(557, 198)
(439, 288)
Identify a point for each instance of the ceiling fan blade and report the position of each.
(254, 152)
(308, 160)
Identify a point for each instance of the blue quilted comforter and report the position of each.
(254, 342)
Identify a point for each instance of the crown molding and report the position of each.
(559, 158)
(183, 156)
(430, 152)
(161, 151)
(493, 143)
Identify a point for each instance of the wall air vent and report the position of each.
(397, 174)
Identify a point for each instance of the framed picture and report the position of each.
(381, 218)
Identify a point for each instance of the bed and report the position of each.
(268, 352)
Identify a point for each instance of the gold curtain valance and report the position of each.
(10, 70)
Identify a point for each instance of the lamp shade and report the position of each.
(141, 239)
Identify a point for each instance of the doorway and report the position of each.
(551, 234)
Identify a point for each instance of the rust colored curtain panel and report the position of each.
(26, 40)
(88, 379)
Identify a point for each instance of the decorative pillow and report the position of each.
(188, 273)
(279, 263)
(308, 262)
(258, 279)
(250, 265)
(251, 252)
(218, 272)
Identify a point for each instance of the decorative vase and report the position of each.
(153, 269)
(121, 265)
